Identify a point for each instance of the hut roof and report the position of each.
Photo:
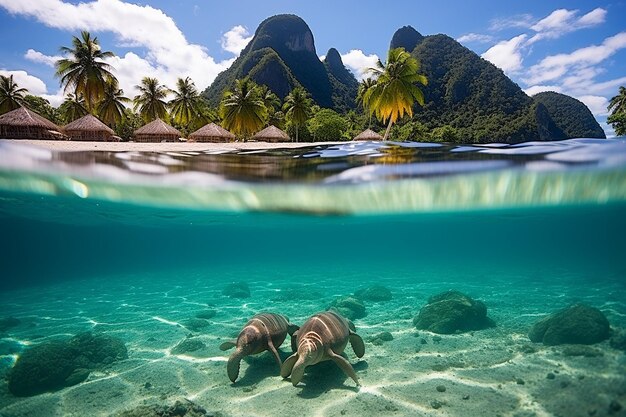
(368, 134)
(26, 117)
(157, 127)
(271, 133)
(212, 130)
(88, 123)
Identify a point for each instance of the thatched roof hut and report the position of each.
(211, 133)
(89, 127)
(156, 131)
(368, 134)
(23, 123)
(271, 134)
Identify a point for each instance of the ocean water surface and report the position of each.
(136, 246)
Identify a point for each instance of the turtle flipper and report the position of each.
(228, 345)
(344, 365)
(357, 344)
(294, 341)
(272, 348)
(287, 367)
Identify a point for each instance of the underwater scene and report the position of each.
(357, 279)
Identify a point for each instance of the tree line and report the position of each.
(386, 101)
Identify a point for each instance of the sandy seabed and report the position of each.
(494, 372)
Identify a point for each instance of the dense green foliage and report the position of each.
(618, 122)
(282, 56)
(42, 107)
(571, 116)
(472, 95)
(127, 126)
(11, 95)
(73, 108)
(327, 125)
(84, 73)
(617, 107)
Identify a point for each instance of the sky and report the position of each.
(573, 47)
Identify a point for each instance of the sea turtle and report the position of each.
(265, 331)
(322, 337)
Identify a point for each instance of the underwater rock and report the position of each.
(452, 312)
(374, 293)
(99, 349)
(349, 307)
(237, 290)
(54, 365)
(381, 338)
(196, 325)
(191, 344)
(8, 322)
(618, 340)
(42, 368)
(178, 409)
(577, 324)
(206, 314)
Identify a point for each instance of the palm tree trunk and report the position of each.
(388, 129)
(297, 128)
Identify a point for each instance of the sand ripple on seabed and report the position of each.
(487, 373)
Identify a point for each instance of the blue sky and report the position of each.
(575, 47)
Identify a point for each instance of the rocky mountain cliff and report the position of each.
(282, 55)
(464, 90)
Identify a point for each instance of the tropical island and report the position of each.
(430, 88)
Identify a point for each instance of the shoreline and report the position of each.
(83, 146)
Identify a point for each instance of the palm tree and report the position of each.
(185, 105)
(73, 108)
(84, 72)
(617, 105)
(364, 87)
(11, 95)
(271, 100)
(151, 102)
(395, 91)
(242, 110)
(111, 107)
(297, 107)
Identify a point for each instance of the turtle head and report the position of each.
(248, 340)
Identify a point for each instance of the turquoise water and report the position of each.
(134, 245)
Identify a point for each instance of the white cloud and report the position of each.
(236, 39)
(358, 62)
(536, 89)
(169, 54)
(596, 104)
(555, 20)
(594, 17)
(562, 21)
(24, 80)
(37, 56)
(555, 66)
(475, 37)
(507, 55)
